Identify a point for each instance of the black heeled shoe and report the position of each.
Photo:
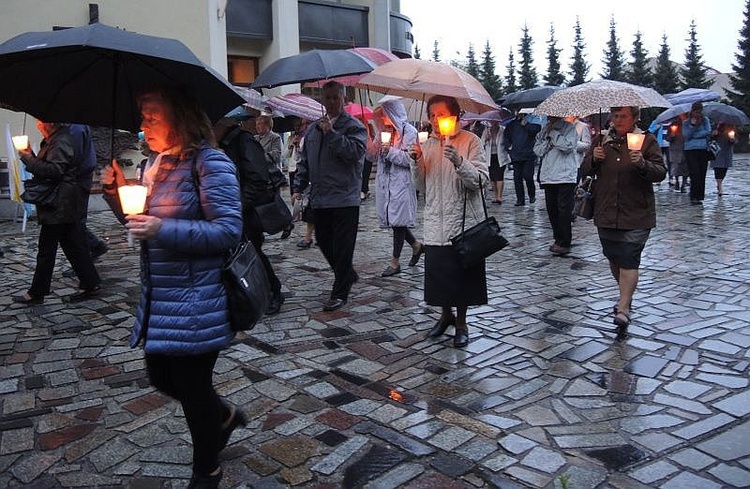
(28, 299)
(440, 327)
(198, 481)
(236, 418)
(415, 256)
(461, 338)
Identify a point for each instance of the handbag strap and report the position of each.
(484, 204)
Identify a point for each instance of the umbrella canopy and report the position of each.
(314, 65)
(375, 55)
(358, 110)
(529, 98)
(592, 97)
(91, 75)
(716, 111)
(419, 79)
(690, 95)
(298, 105)
(490, 115)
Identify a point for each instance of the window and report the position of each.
(242, 70)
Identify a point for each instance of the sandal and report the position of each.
(622, 319)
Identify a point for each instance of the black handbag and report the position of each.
(40, 191)
(478, 242)
(274, 216)
(583, 205)
(713, 149)
(248, 289)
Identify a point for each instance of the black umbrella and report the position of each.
(91, 75)
(525, 99)
(314, 65)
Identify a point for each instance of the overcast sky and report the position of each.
(455, 24)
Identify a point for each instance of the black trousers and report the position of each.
(71, 237)
(189, 380)
(697, 163)
(366, 170)
(336, 233)
(559, 201)
(523, 171)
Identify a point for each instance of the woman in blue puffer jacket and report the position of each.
(192, 217)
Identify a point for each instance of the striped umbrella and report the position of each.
(298, 105)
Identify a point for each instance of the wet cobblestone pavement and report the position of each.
(545, 395)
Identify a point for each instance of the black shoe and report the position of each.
(28, 299)
(390, 271)
(334, 304)
(85, 294)
(461, 338)
(69, 273)
(440, 327)
(99, 251)
(532, 200)
(205, 481)
(519, 204)
(287, 232)
(415, 257)
(237, 419)
(275, 306)
(304, 243)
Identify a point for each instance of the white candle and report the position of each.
(20, 142)
(423, 136)
(385, 137)
(635, 141)
(132, 198)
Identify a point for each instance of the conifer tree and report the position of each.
(666, 78)
(694, 75)
(739, 96)
(579, 68)
(472, 67)
(613, 61)
(510, 78)
(554, 76)
(435, 52)
(487, 76)
(640, 72)
(527, 76)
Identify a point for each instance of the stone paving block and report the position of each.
(293, 426)
(328, 464)
(337, 419)
(678, 402)
(396, 477)
(56, 439)
(651, 473)
(583, 478)
(530, 477)
(292, 451)
(700, 428)
(377, 460)
(32, 467)
(737, 405)
(730, 444)
(179, 454)
(82, 479)
(543, 460)
(732, 476)
(295, 476)
(686, 480)
(692, 458)
(112, 454)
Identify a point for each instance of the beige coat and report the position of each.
(444, 186)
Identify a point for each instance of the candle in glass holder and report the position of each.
(635, 141)
(20, 142)
(731, 134)
(673, 128)
(132, 198)
(423, 136)
(385, 137)
(447, 126)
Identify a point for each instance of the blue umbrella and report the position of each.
(716, 111)
(690, 95)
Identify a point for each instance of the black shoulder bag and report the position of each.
(478, 242)
(245, 281)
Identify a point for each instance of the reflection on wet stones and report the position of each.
(618, 458)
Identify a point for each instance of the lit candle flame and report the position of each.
(447, 125)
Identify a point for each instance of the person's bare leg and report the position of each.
(615, 270)
(499, 193)
(628, 282)
(719, 183)
(461, 317)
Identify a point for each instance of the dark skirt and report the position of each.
(497, 172)
(446, 284)
(623, 247)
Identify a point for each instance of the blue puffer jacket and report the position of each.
(183, 308)
(696, 136)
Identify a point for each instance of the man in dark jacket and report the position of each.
(518, 140)
(255, 189)
(331, 162)
(62, 221)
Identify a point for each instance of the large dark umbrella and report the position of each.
(530, 98)
(716, 111)
(314, 65)
(91, 75)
